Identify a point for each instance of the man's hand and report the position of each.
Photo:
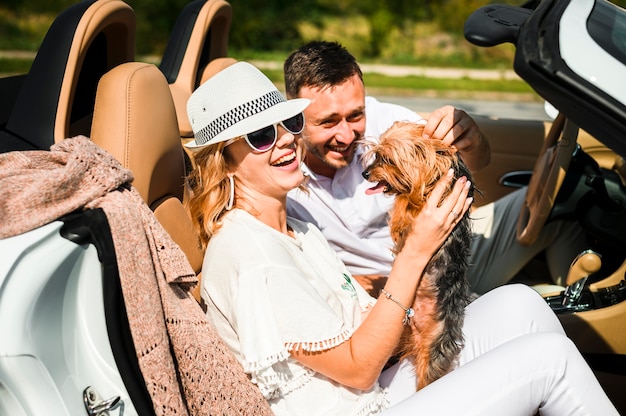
(456, 128)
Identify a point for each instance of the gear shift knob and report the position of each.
(586, 263)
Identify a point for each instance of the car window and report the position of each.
(607, 26)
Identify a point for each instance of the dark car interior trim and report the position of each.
(92, 227)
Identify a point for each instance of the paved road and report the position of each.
(483, 107)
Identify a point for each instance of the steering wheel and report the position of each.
(546, 180)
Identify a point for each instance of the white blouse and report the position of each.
(268, 294)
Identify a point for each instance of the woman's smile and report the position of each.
(285, 160)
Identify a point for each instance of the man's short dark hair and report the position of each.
(318, 64)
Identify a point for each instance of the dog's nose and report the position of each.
(366, 174)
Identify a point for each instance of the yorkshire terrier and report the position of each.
(407, 165)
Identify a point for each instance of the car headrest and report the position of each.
(215, 66)
(209, 70)
(200, 35)
(85, 41)
(135, 120)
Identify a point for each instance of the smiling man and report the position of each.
(355, 223)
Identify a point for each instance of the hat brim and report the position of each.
(272, 115)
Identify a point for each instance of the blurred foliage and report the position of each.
(428, 31)
(21, 29)
(155, 19)
(399, 31)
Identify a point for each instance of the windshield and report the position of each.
(607, 26)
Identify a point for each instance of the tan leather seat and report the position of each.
(215, 66)
(209, 70)
(135, 120)
(199, 36)
(104, 37)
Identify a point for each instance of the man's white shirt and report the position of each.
(354, 223)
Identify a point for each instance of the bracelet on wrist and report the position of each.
(408, 312)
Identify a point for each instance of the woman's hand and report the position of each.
(359, 361)
(437, 220)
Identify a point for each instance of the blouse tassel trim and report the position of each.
(323, 345)
(368, 305)
(274, 386)
(254, 367)
(376, 406)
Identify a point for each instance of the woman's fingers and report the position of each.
(455, 202)
(438, 217)
(440, 189)
(449, 211)
(463, 202)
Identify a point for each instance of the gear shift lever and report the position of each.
(585, 264)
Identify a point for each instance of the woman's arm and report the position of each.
(358, 362)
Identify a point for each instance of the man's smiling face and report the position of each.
(335, 120)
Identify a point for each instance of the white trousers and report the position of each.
(516, 361)
(496, 256)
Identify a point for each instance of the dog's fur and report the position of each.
(408, 166)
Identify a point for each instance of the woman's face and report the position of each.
(271, 174)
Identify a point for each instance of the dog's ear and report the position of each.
(419, 129)
(369, 152)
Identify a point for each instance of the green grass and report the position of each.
(424, 83)
(250, 55)
(374, 82)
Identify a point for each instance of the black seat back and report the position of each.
(57, 96)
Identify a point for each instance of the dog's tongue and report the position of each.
(376, 189)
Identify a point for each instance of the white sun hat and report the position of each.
(237, 100)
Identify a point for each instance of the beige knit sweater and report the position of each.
(201, 377)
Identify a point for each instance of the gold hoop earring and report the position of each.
(199, 176)
(231, 196)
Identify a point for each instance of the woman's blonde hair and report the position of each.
(210, 188)
(210, 191)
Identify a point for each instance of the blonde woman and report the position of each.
(311, 339)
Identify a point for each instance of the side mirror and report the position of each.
(550, 110)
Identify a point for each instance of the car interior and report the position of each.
(55, 101)
(574, 174)
(85, 80)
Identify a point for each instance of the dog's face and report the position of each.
(405, 163)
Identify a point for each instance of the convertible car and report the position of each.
(71, 292)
